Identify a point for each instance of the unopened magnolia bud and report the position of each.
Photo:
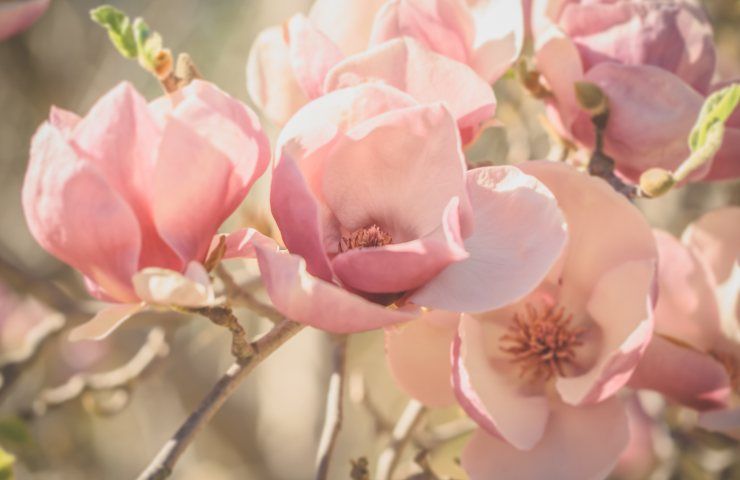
(591, 98)
(656, 182)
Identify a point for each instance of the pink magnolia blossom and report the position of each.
(18, 15)
(695, 356)
(132, 194)
(654, 60)
(429, 49)
(374, 204)
(539, 374)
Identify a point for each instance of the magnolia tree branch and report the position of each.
(155, 347)
(223, 316)
(400, 437)
(241, 295)
(164, 462)
(334, 408)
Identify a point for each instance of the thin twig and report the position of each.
(164, 462)
(334, 408)
(401, 435)
(223, 316)
(154, 348)
(601, 165)
(240, 295)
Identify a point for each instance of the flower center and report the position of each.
(367, 237)
(543, 343)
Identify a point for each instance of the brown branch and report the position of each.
(241, 295)
(163, 463)
(602, 166)
(154, 348)
(334, 408)
(401, 435)
(223, 316)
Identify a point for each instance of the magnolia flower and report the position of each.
(372, 198)
(18, 15)
(539, 375)
(695, 356)
(132, 194)
(654, 60)
(429, 49)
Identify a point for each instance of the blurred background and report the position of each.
(269, 429)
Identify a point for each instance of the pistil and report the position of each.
(367, 237)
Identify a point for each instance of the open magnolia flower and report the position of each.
(132, 194)
(695, 356)
(18, 15)
(539, 374)
(432, 50)
(654, 60)
(376, 209)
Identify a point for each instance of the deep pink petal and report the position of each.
(620, 306)
(312, 54)
(443, 26)
(120, 137)
(400, 267)
(591, 209)
(581, 443)
(271, 83)
(398, 170)
(427, 76)
(418, 355)
(519, 233)
(491, 392)
(683, 374)
(311, 301)
(73, 212)
(675, 36)
(641, 97)
(18, 15)
(725, 165)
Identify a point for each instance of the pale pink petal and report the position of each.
(425, 75)
(443, 26)
(683, 374)
(620, 306)
(557, 59)
(519, 234)
(18, 15)
(311, 301)
(158, 286)
(398, 170)
(271, 84)
(604, 228)
(105, 321)
(687, 308)
(400, 267)
(312, 54)
(723, 421)
(64, 120)
(231, 126)
(346, 22)
(581, 443)
(491, 392)
(120, 137)
(238, 244)
(715, 237)
(419, 357)
(641, 97)
(73, 212)
(499, 36)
